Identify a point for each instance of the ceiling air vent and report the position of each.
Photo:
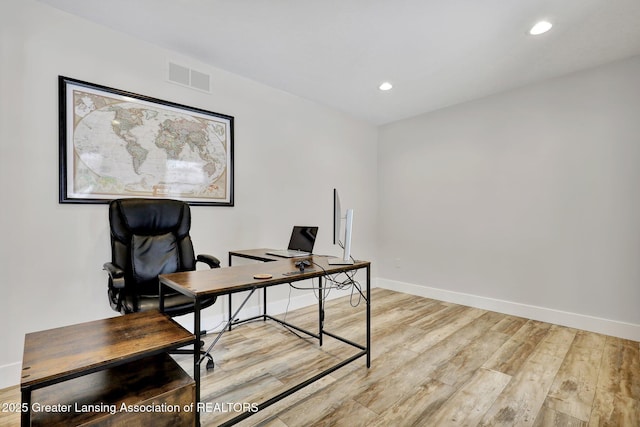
(187, 77)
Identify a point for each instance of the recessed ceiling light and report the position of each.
(540, 28)
(385, 86)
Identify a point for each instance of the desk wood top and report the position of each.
(62, 353)
(222, 281)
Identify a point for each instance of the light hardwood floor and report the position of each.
(433, 364)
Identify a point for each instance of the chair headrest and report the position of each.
(148, 217)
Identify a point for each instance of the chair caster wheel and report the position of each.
(210, 364)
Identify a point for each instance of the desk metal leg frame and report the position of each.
(320, 311)
(365, 351)
(223, 330)
(264, 306)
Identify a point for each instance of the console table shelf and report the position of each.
(109, 361)
(154, 391)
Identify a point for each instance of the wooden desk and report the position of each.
(226, 281)
(62, 354)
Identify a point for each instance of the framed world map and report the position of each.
(116, 144)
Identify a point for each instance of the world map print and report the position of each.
(128, 148)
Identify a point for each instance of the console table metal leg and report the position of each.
(196, 356)
(25, 414)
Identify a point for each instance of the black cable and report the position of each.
(341, 285)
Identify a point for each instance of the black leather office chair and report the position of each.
(150, 237)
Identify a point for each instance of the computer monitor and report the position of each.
(348, 227)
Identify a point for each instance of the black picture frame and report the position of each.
(118, 144)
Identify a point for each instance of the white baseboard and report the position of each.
(573, 320)
(10, 375)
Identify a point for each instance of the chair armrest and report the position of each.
(116, 274)
(210, 260)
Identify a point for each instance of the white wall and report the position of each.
(525, 202)
(52, 254)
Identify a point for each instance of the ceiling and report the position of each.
(336, 52)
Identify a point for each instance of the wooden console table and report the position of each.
(106, 362)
